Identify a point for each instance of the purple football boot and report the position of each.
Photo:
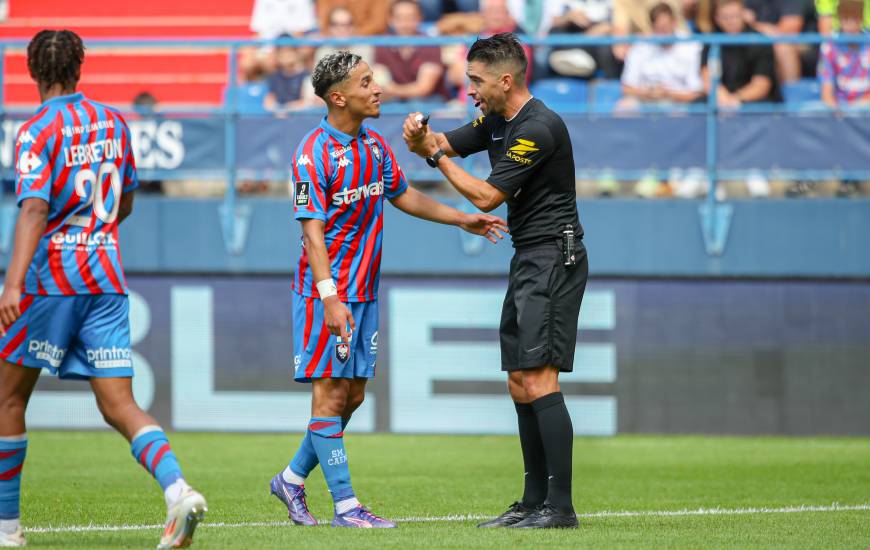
(293, 496)
(360, 517)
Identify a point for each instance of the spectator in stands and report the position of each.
(410, 72)
(778, 17)
(844, 69)
(632, 17)
(588, 17)
(340, 24)
(273, 18)
(698, 15)
(369, 16)
(748, 73)
(496, 19)
(828, 20)
(433, 10)
(290, 83)
(662, 73)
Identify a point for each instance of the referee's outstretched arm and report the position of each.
(422, 141)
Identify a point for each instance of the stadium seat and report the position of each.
(561, 93)
(802, 91)
(249, 97)
(605, 93)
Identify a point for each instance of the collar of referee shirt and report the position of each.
(69, 98)
(340, 136)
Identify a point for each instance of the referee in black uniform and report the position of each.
(533, 171)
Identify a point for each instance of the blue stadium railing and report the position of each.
(714, 216)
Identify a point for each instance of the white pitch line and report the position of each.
(457, 518)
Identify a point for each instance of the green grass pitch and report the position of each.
(753, 489)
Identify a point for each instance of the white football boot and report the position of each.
(181, 520)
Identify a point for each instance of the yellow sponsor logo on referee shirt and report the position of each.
(518, 151)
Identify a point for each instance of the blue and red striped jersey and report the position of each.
(343, 180)
(75, 154)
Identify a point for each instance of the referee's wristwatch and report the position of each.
(433, 160)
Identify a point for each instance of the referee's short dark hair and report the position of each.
(55, 57)
(501, 50)
(333, 69)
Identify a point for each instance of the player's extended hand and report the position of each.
(491, 227)
(337, 318)
(9, 308)
(418, 137)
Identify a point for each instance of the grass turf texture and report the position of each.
(78, 479)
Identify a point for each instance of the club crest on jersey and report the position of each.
(303, 193)
(342, 350)
(376, 151)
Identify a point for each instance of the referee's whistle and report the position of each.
(423, 120)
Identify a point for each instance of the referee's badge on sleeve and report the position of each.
(303, 193)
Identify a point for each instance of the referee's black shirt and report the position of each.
(532, 163)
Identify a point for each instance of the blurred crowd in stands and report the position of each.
(649, 73)
(624, 78)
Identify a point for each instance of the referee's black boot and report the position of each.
(547, 516)
(515, 514)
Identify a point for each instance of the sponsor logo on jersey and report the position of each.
(343, 162)
(518, 151)
(46, 351)
(304, 160)
(348, 196)
(65, 240)
(303, 193)
(340, 152)
(25, 137)
(478, 121)
(110, 358)
(28, 163)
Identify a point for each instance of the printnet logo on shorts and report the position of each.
(110, 358)
(46, 351)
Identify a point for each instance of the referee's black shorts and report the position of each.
(541, 308)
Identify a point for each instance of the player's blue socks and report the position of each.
(150, 448)
(12, 452)
(327, 439)
(305, 459)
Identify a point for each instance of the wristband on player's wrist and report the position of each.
(326, 288)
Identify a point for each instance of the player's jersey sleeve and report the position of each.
(530, 145)
(131, 176)
(394, 178)
(33, 164)
(471, 138)
(310, 177)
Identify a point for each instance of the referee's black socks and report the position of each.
(557, 437)
(534, 459)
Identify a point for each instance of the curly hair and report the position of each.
(55, 57)
(333, 69)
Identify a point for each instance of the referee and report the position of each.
(533, 171)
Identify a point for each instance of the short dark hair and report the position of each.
(500, 49)
(662, 8)
(333, 69)
(55, 57)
